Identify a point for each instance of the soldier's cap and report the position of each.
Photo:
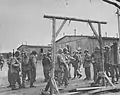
(86, 51)
(65, 49)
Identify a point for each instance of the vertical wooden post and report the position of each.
(101, 53)
(101, 49)
(53, 50)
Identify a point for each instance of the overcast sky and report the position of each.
(22, 21)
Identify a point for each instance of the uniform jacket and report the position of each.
(87, 60)
(14, 65)
(76, 61)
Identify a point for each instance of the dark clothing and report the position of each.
(96, 61)
(87, 73)
(46, 62)
(75, 64)
(86, 65)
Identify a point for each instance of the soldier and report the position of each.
(76, 65)
(46, 62)
(9, 56)
(107, 59)
(15, 69)
(60, 66)
(80, 58)
(32, 63)
(86, 64)
(96, 62)
(25, 67)
(1, 61)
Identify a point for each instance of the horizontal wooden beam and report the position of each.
(74, 19)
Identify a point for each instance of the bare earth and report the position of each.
(40, 85)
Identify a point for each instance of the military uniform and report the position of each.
(75, 63)
(46, 62)
(14, 70)
(1, 61)
(32, 62)
(96, 62)
(107, 60)
(9, 70)
(86, 65)
(25, 68)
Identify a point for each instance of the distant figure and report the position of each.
(1, 61)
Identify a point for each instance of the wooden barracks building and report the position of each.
(85, 42)
(74, 41)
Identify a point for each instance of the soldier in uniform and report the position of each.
(46, 62)
(107, 60)
(15, 69)
(25, 67)
(96, 62)
(80, 58)
(9, 56)
(1, 61)
(32, 63)
(60, 66)
(76, 65)
(87, 64)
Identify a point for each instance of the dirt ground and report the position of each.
(40, 84)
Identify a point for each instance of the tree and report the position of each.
(113, 2)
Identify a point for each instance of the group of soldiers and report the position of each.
(21, 67)
(65, 60)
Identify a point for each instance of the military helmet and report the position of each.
(17, 53)
(65, 49)
(86, 51)
(60, 50)
(106, 47)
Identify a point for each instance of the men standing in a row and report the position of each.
(87, 65)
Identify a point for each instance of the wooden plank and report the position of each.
(89, 88)
(74, 19)
(102, 90)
